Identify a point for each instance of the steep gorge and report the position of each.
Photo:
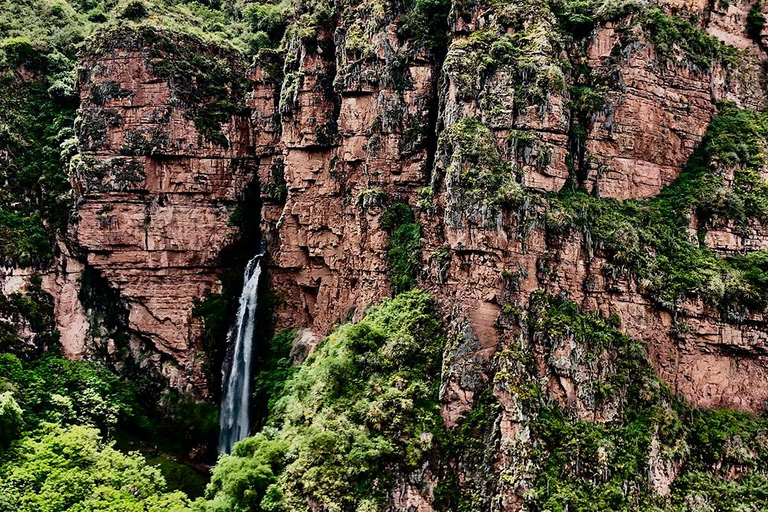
(519, 161)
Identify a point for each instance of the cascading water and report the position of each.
(235, 416)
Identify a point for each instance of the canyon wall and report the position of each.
(477, 132)
(580, 187)
(358, 132)
(165, 156)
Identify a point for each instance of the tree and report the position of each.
(72, 469)
(10, 419)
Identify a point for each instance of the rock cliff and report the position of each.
(477, 132)
(579, 185)
(165, 156)
(475, 140)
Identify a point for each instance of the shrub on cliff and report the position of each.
(613, 440)
(404, 246)
(134, 10)
(755, 21)
(268, 18)
(21, 52)
(427, 23)
(362, 409)
(10, 419)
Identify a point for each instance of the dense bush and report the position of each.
(11, 420)
(54, 390)
(671, 34)
(361, 409)
(404, 251)
(135, 10)
(71, 468)
(427, 23)
(755, 21)
(276, 368)
(270, 19)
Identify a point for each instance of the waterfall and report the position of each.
(235, 416)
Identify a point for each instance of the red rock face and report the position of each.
(154, 200)
(339, 129)
(328, 247)
(346, 133)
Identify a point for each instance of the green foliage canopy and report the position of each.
(361, 409)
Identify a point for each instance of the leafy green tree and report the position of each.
(72, 469)
(55, 390)
(10, 419)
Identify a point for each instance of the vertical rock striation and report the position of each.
(165, 154)
(481, 132)
(611, 107)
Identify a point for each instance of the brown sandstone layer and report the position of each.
(155, 195)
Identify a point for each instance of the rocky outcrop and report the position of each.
(616, 112)
(374, 107)
(163, 162)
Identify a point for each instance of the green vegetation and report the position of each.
(55, 415)
(672, 36)
(276, 369)
(71, 468)
(588, 465)
(427, 23)
(650, 240)
(478, 176)
(268, 23)
(54, 390)
(755, 21)
(36, 119)
(50, 389)
(404, 251)
(361, 409)
(11, 420)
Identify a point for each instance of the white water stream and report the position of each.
(235, 415)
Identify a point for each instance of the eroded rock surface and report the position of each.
(369, 139)
(338, 127)
(157, 179)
